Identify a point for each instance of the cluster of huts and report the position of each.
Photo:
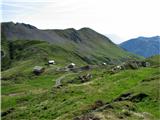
(132, 64)
(37, 70)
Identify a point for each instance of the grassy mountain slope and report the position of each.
(37, 98)
(154, 60)
(5, 53)
(85, 43)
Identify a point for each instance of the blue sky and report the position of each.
(120, 19)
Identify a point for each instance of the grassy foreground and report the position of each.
(37, 98)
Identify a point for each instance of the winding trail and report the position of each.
(59, 80)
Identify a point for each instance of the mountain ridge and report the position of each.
(85, 42)
(20, 26)
(144, 46)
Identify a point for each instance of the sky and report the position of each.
(118, 19)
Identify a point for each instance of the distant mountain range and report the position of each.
(143, 46)
(66, 45)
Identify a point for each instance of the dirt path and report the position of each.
(59, 80)
(82, 84)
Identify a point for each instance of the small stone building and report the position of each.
(37, 70)
(71, 65)
(104, 64)
(51, 62)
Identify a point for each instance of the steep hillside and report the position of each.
(143, 46)
(21, 31)
(5, 53)
(85, 44)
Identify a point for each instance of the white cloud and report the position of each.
(125, 18)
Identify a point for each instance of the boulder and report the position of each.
(97, 104)
(145, 64)
(87, 117)
(85, 78)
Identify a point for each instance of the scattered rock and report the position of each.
(104, 107)
(97, 104)
(85, 78)
(145, 64)
(126, 112)
(87, 117)
(132, 64)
